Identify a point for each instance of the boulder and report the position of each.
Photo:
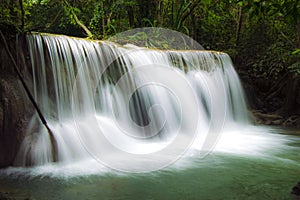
(15, 113)
(296, 189)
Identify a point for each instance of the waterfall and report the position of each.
(118, 104)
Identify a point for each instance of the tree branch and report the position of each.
(88, 32)
(187, 13)
(22, 15)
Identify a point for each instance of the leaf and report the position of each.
(240, 3)
(296, 52)
(295, 69)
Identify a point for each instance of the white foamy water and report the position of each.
(135, 110)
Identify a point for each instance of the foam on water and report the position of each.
(132, 109)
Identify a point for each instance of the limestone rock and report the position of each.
(15, 113)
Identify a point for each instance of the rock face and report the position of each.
(15, 111)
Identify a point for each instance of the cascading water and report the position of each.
(140, 110)
(130, 108)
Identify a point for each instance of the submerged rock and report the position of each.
(5, 196)
(296, 191)
(9, 196)
(259, 117)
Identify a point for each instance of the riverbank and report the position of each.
(262, 118)
(4, 195)
(266, 108)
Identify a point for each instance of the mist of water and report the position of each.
(134, 109)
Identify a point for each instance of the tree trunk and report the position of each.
(239, 27)
(145, 8)
(103, 20)
(22, 15)
(298, 34)
(130, 16)
(159, 8)
(186, 13)
(88, 32)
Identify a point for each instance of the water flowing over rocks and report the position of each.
(73, 79)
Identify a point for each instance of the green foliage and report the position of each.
(269, 37)
(215, 25)
(260, 35)
(10, 16)
(295, 69)
(296, 52)
(149, 38)
(96, 22)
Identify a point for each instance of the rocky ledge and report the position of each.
(260, 117)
